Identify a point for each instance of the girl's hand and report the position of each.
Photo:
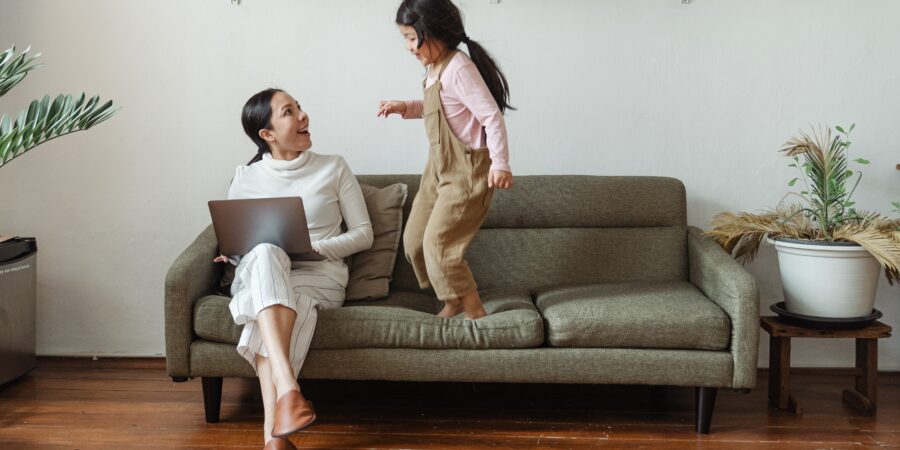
(500, 179)
(388, 107)
(220, 259)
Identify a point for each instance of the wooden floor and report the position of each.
(130, 403)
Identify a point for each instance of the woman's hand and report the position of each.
(500, 179)
(221, 259)
(388, 107)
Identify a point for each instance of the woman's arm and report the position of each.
(358, 236)
(233, 189)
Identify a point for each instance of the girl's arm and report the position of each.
(476, 97)
(414, 109)
(358, 236)
(410, 109)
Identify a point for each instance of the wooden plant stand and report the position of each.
(863, 396)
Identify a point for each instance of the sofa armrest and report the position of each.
(192, 276)
(729, 285)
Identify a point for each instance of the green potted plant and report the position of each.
(829, 253)
(42, 121)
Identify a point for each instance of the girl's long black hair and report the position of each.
(257, 115)
(441, 20)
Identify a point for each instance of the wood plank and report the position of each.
(66, 403)
(885, 438)
(315, 439)
(880, 423)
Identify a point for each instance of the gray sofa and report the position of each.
(586, 279)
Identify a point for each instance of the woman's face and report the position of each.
(430, 52)
(290, 125)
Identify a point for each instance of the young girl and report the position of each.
(465, 97)
(277, 300)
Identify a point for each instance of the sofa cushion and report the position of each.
(664, 315)
(402, 320)
(371, 269)
(556, 230)
(540, 258)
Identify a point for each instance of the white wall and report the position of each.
(704, 92)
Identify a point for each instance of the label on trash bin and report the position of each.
(14, 269)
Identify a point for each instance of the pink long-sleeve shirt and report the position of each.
(471, 110)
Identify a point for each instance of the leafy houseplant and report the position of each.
(42, 121)
(829, 252)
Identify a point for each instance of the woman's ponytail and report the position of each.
(256, 116)
(257, 157)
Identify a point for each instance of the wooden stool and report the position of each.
(863, 397)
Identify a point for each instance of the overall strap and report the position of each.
(446, 62)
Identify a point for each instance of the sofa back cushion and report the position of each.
(570, 229)
(372, 269)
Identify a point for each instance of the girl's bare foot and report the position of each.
(475, 314)
(451, 308)
(472, 307)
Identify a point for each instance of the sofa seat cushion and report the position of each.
(663, 315)
(402, 320)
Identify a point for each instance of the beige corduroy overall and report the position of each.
(451, 205)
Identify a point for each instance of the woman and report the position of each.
(275, 299)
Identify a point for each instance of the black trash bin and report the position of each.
(18, 279)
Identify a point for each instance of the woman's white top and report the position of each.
(331, 196)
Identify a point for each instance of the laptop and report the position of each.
(243, 224)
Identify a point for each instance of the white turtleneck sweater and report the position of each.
(330, 194)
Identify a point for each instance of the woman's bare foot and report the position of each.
(472, 307)
(451, 308)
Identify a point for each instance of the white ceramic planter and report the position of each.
(836, 280)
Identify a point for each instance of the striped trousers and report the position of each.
(264, 278)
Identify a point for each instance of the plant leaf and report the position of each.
(13, 69)
(45, 120)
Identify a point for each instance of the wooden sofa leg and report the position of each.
(706, 401)
(212, 398)
(179, 379)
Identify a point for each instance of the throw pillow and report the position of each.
(371, 270)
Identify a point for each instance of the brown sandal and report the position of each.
(292, 414)
(277, 443)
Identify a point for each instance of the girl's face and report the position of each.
(290, 125)
(431, 51)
